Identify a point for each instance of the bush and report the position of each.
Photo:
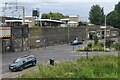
(92, 47)
(109, 42)
(116, 46)
(103, 66)
(95, 37)
(89, 45)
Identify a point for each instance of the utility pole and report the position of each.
(68, 33)
(105, 35)
(23, 14)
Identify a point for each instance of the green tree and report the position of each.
(55, 16)
(113, 18)
(96, 15)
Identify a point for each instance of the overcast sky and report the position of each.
(67, 7)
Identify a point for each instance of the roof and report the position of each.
(17, 21)
(49, 20)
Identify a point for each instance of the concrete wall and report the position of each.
(52, 36)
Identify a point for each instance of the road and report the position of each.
(58, 52)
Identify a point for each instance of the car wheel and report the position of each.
(34, 63)
(21, 68)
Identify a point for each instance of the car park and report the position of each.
(23, 62)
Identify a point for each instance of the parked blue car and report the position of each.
(23, 62)
(76, 42)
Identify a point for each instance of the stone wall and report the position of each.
(18, 42)
(23, 39)
(19, 38)
(52, 36)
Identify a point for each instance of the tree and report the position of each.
(96, 15)
(117, 7)
(55, 16)
(113, 18)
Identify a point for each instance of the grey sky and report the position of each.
(67, 8)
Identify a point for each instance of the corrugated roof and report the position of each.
(50, 20)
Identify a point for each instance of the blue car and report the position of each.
(76, 42)
(23, 62)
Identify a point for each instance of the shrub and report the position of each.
(103, 66)
(116, 46)
(95, 37)
(109, 42)
(89, 45)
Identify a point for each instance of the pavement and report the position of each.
(58, 52)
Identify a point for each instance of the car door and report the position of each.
(29, 60)
(25, 62)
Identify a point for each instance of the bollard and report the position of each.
(73, 48)
(52, 61)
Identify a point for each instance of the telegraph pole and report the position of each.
(105, 35)
(23, 14)
(68, 33)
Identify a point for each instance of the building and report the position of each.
(48, 23)
(65, 22)
(72, 21)
(110, 32)
(16, 23)
(30, 18)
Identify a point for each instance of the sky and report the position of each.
(66, 7)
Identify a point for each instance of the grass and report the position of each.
(103, 66)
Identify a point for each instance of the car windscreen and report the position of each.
(18, 60)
